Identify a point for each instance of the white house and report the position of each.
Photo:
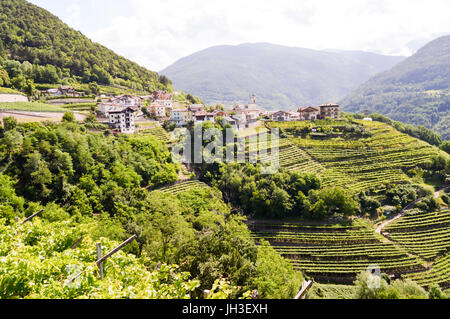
(329, 110)
(122, 120)
(181, 116)
(126, 100)
(283, 116)
(309, 113)
(202, 116)
(158, 109)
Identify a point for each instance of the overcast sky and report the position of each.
(156, 33)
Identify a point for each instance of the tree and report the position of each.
(4, 78)
(275, 277)
(9, 123)
(19, 82)
(94, 87)
(370, 286)
(445, 146)
(30, 88)
(332, 201)
(69, 117)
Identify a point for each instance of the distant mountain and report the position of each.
(280, 76)
(30, 33)
(416, 91)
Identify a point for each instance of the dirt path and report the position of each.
(403, 211)
(9, 98)
(24, 117)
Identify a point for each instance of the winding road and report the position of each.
(403, 211)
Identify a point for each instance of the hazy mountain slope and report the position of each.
(280, 76)
(30, 33)
(416, 91)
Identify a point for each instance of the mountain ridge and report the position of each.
(231, 73)
(416, 91)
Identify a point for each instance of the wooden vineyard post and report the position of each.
(32, 216)
(302, 293)
(99, 256)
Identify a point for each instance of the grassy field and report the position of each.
(9, 91)
(31, 107)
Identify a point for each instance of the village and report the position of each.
(123, 111)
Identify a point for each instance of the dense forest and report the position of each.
(416, 91)
(57, 53)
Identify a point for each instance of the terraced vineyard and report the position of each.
(424, 234)
(158, 132)
(439, 273)
(358, 164)
(428, 236)
(181, 187)
(336, 254)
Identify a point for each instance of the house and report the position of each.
(241, 121)
(64, 91)
(219, 113)
(196, 108)
(157, 109)
(283, 116)
(231, 121)
(294, 116)
(105, 107)
(168, 104)
(162, 96)
(329, 110)
(126, 100)
(202, 116)
(181, 116)
(122, 120)
(247, 115)
(309, 113)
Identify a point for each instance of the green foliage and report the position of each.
(9, 123)
(275, 276)
(415, 91)
(68, 117)
(67, 164)
(43, 265)
(282, 194)
(54, 52)
(445, 146)
(374, 287)
(329, 202)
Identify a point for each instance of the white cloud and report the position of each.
(158, 32)
(73, 12)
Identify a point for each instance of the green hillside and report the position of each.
(330, 207)
(280, 76)
(416, 91)
(57, 52)
(377, 157)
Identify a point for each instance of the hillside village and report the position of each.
(122, 112)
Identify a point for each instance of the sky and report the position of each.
(156, 33)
